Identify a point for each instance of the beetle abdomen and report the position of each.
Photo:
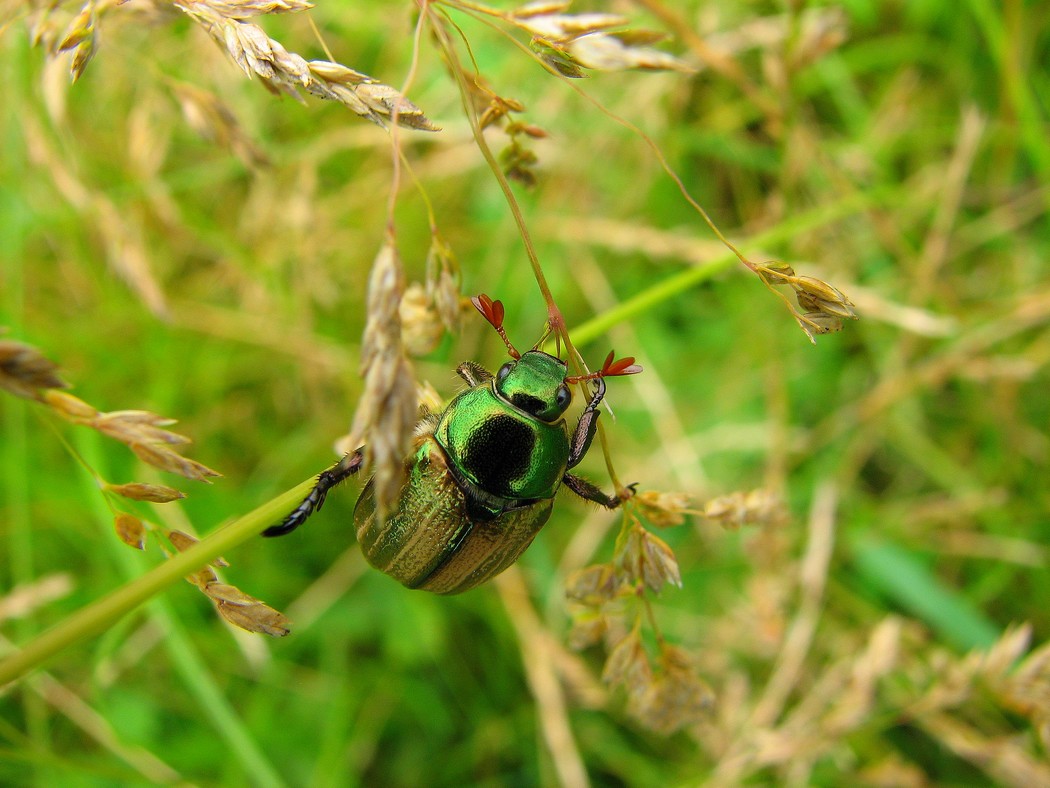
(430, 542)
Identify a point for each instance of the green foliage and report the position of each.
(897, 151)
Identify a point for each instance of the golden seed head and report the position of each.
(140, 491)
(25, 371)
(420, 323)
(664, 509)
(130, 530)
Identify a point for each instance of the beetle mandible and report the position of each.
(483, 472)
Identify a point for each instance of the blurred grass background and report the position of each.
(897, 150)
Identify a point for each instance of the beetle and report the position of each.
(483, 473)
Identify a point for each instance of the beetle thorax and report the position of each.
(506, 437)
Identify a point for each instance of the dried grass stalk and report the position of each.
(130, 530)
(26, 372)
(284, 72)
(386, 414)
(608, 604)
(823, 307)
(567, 42)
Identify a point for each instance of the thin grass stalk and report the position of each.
(103, 613)
(678, 283)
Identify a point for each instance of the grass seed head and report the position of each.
(644, 558)
(130, 530)
(421, 326)
(245, 611)
(69, 407)
(25, 371)
(755, 507)
(664, 509)
(386, 414)
(141, 491)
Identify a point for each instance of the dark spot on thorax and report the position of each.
(498, 453)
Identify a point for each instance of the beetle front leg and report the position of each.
(314, 500)
(473, 374)
(586, 427)
(593, 492)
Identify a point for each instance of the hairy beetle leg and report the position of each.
(314, 500)
(593, 492)
(474, 374)
(586, 427)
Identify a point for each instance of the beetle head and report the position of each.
(535, 383)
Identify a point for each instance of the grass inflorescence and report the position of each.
(831, 569)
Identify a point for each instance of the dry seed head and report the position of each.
(664, 509)
(443, 282)
(676, 696)
(130, 530)
(567, 41)
(556, 58)
(181, 541)
(81, 37)
(169, 460)
(589, 626)
(428, 398)
(647, 559)
(555, 27)
(611, 53)
(498, 108)
(540, 8)
(69, 407)
(386, 413)
(140, 491)
(640, 37)
(814, 295)
(816, 324)
(80, 29)
(592, 585)
(260, 618)
(231, 595)
(245, 611)
(628, 664)
(245, 9)
(755, 507)
(82, 55)
(420, 323)
(24, 371)
(823, 307)
(284, 72)
(203, 577)
(144, 434)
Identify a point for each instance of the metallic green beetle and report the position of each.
(482, 475)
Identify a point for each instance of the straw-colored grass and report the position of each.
(834, 569)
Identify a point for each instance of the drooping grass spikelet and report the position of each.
(386, 413)
(281, 71)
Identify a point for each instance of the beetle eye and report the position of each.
(563, 397)
(504, 371)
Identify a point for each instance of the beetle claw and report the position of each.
(314, 500)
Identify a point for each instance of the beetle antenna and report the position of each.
(492, 311)
(610, 369)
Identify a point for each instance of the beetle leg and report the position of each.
(473, 374)
(314, 500)
(585, 429)
(593, 492)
